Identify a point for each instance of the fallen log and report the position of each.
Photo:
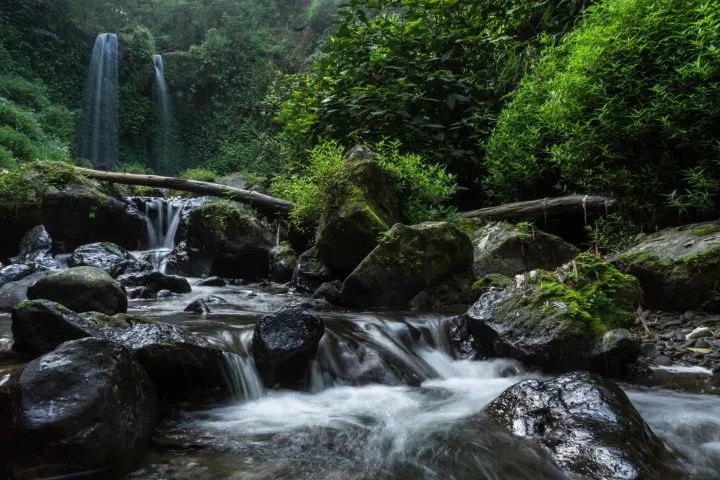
(258, 200)
(545, 208)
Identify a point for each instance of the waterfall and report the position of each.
(162, 220)
(98, 125)
(163, 152)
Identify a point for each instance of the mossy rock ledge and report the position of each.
(573, 318)
(678, 268)
(367, 204)
(430, 256)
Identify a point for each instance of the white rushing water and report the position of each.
(162, 220)
(425, 422)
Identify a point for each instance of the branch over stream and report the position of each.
(258, 200)
(545, 208)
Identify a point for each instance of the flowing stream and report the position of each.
(162, 220)
(386, 399)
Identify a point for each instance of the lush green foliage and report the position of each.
(425, 187)
(431, 74)
(625, 105)
(202, 174)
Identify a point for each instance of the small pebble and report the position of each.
(699, 332)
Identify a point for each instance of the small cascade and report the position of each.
(240, 372)
(162, 220)
(98, 125)
(163, 151)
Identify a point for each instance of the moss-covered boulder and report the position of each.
(505, 249)
(408, 260)
(678, 268)
(367, 204)
(73, 209)
(82, 289)
(557, 320)
(223, 239)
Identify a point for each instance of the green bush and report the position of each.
(202, 174)
(425, 187)
(23, 92)
(626, 105)
(7, 160)
(17, 118)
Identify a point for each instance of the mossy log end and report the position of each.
(545, 208)
(263, 202)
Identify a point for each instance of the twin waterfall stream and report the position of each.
(385, 399)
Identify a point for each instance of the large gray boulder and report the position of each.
(107, 256)
(367, 205)
(408, 260)
(283, 345)
(15, 292)
(586, 423)
(82, 289)
(572, 318)
(88, 405)
(35, 249)
(505, 249)
(678, 268)
(178, 361)
(224, 240)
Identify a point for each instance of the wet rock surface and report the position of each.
(678, 268)
(310, 272)
(283, 345)
(408, 260)
(500, 248)
(35, 249)
(82, 289)
(178, 361)
(588, 425)
(109, 257)
(551, 319)
(15, 292)
(283, 261)
(88, 405)
(153, 282)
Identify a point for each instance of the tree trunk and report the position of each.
(258, 200)
(546, 208)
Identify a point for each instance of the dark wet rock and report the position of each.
(310, 272)
(198, 306)
(408, 260)
(223, 240)
(421, 301)
(13, 293)
(74, 210)
(88, 405)
(39, 326)
(586, 423)
(211, 282)
(283, 345)
(107, 256)
(14, 272)
(678, 267)
(505, 249)
(82, 289)
(367, 205)
(283, 260)
(650, 350)
(558, 320)
(35, 249)
(330, 291)
(662, 360)
(178, 361)
(165, 294)
(153, 282)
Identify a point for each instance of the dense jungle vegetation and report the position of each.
(510, 100)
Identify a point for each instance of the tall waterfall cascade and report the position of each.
(98, 126)
(164, 148)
